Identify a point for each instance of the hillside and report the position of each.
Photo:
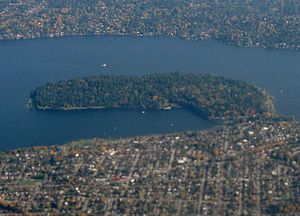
(255, 23)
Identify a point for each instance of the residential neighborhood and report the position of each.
(249, 168)
(270, 23)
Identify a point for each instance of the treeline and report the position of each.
(212, 97)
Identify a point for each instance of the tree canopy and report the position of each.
(212, 97)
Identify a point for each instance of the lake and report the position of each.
(26, 64)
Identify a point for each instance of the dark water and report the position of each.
(26, 64)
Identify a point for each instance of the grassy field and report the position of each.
(29, 182)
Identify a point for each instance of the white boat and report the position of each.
(104, 65)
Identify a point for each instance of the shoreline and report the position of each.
(275, 47)
(38, 108)
(67, 108)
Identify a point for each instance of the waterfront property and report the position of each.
(248, 168)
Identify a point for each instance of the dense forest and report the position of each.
(216, 98)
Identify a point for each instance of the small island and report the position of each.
(215, 98)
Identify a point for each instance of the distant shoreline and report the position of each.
(229, 43)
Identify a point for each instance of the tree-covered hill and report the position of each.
(213, 97)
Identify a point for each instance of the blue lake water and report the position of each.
(29, 63)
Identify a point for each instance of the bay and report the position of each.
(29, 63)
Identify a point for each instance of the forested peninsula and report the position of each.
(215, 98)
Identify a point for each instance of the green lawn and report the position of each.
(29, 182)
